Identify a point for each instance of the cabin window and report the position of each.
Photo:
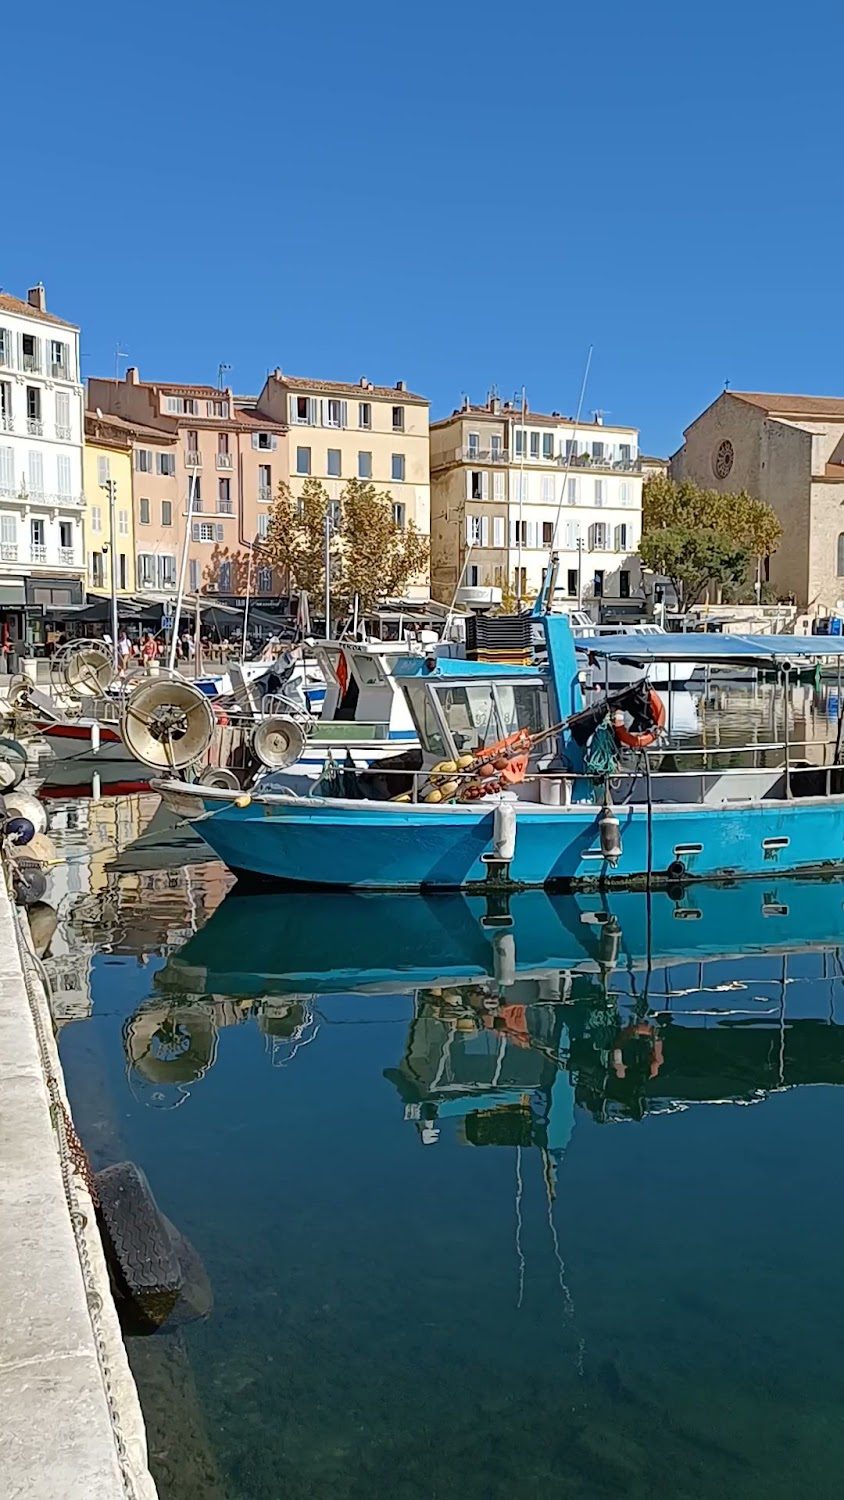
(479, 715)
(425, 718)
(840, 564)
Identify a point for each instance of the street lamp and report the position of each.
(110, 487)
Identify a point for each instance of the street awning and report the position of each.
(12, 594)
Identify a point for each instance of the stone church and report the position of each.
(788, 451)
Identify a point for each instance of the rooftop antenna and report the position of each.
(222, 369)
(119, 353)
(598, 413)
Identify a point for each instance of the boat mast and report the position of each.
(566, 471)
(182, 571)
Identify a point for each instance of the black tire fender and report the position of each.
(139, 1247)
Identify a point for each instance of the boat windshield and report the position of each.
(479, 714)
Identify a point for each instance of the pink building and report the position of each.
(229, 455)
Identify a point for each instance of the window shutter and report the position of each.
(312, 411)
(291, 409)
(497, 486)
(323, 412)
(219, 531)
(36, 472)
(194, 531)
(273, 441)
(498, 530)
(484, 531)
(591, 536)
(469, 530)
(7, 469)
(484, 485)
(255, 443)
(63, 465)
(344, 413)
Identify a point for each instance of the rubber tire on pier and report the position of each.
(142, 1257)
(29, 882)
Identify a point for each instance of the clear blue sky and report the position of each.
(454, 194)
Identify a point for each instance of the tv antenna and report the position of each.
(119, 353)
(222, 370)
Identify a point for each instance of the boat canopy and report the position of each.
(714, 650)
(451, 669)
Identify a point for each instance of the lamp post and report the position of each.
(580, 572)
(110, 488)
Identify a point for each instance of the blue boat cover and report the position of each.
(709, 649)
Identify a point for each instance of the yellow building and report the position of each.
(107, 456)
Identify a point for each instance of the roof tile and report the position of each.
(11, 304)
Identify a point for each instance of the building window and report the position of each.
(217, 409)
(143, 506)
(35, 465)
(598, 583)
(37, 533)
(477, 485)
(166, 571)
(165, 463)
(624, 492)
(571, 449)
(546, 489)
(265, 580)
(547, 533)
(399, 514)
(534, 445)
(397, 467)
(146, 570)
(364, 415)
(474, 440)
(265, 441)
(31, 353)
(224, 497)
(195, 492)
(5, 346)
(303, 410)
(96, 515)
(263, 526)
(599, 491)
(547, 445)
(334, 413)
(222, 442)
(625, 453)
(398, 419)
(599, 539)
(334, 463)
(303, 460)
(224, 579)
(123, 522)
(193, 447)
(495, 445)
(597, 453)
(62, 415)
(205, 531)
(474, 530)
(167, 513)
(621, 537)
(59, 364)
(364, 466)
(520, 436)
(473, 576)
(5, 405)
(66, 535)
(571, 491)
(498, 531)
(265, 482)
(624, 584)
(571, 582)
(143, 460)
(33, 404)
(63, 476)
(497, 485)
(97, 570)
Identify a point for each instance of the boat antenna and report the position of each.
(567, 468)
(457, 588)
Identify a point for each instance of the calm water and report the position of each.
(544, 1210)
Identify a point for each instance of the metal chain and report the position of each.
(75, 1149)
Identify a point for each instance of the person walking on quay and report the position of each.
(124, 649)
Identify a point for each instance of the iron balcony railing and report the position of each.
(38, 552)
(34, 427)
(225, 461)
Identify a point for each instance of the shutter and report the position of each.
(312, 411)
(8, 530)
(323, 408)
(220, 531)
(469, 531)
(591, 536)
(273, 441)
(484, 530)
(255, 437)
(291, 410)
(194, 531)
(7, 469)
(63, 466)
(468, 484)
(497, 486)
(484, 485)
(36, 472)
(514, 535)
(498, 529)
(344, 412)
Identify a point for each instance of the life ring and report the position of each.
(645, 737)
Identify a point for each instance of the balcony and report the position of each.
(483, 455)
(63, 432)
(9, 552)
(607, 462)
(59, 372)
(66, 557)
(225, 461)
(31, 364)
(34, 427)
(7, 424)
(265, 493)
(225, 508)
(37, 552)
(193, 458)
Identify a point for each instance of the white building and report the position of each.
(507, 488)
(42, 555)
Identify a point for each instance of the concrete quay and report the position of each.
(70, 1420)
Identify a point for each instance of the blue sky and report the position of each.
(458, 195)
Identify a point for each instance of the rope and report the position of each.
(602, 756)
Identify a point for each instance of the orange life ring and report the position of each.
(646, 737)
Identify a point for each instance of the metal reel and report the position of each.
(85, 668)
(167, 724)
(278, 742)
(20, 688)
(220, 777)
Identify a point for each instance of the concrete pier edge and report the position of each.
(70, 1418)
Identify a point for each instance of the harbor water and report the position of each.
(542, 1205)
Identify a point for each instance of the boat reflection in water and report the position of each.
(521, 1012)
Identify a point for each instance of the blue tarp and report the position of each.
(709, 649)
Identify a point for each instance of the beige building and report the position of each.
(507, 489)
(788, 451)
(197, 445)
(371, 432)
(107, 459)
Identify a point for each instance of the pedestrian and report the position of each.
(149, 648)
(124, 649)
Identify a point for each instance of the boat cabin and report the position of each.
(361, 690)
(461, 707)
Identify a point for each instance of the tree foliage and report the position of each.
(371, 555)
(238, 569)
(700, 538)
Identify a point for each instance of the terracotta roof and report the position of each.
(793, 406)
(531, 419)
(243, 416)
(133, 429)
(344, 388)
(11, 304)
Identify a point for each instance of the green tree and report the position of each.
(295, 540)
(378, 556)
(702, 539)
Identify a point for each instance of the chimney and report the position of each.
(132, 376)
(465, 403)
(37, 297)
(364, 383)
(495, 406)
(401, 385)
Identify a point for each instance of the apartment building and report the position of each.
(508, 487)
(203, 450)
(107, 459)
(339, 431)
(42, 559)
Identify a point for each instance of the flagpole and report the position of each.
(521, 501)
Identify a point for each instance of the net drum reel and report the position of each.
(167, 723)
(83, 668)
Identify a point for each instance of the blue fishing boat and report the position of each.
(523, 786)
